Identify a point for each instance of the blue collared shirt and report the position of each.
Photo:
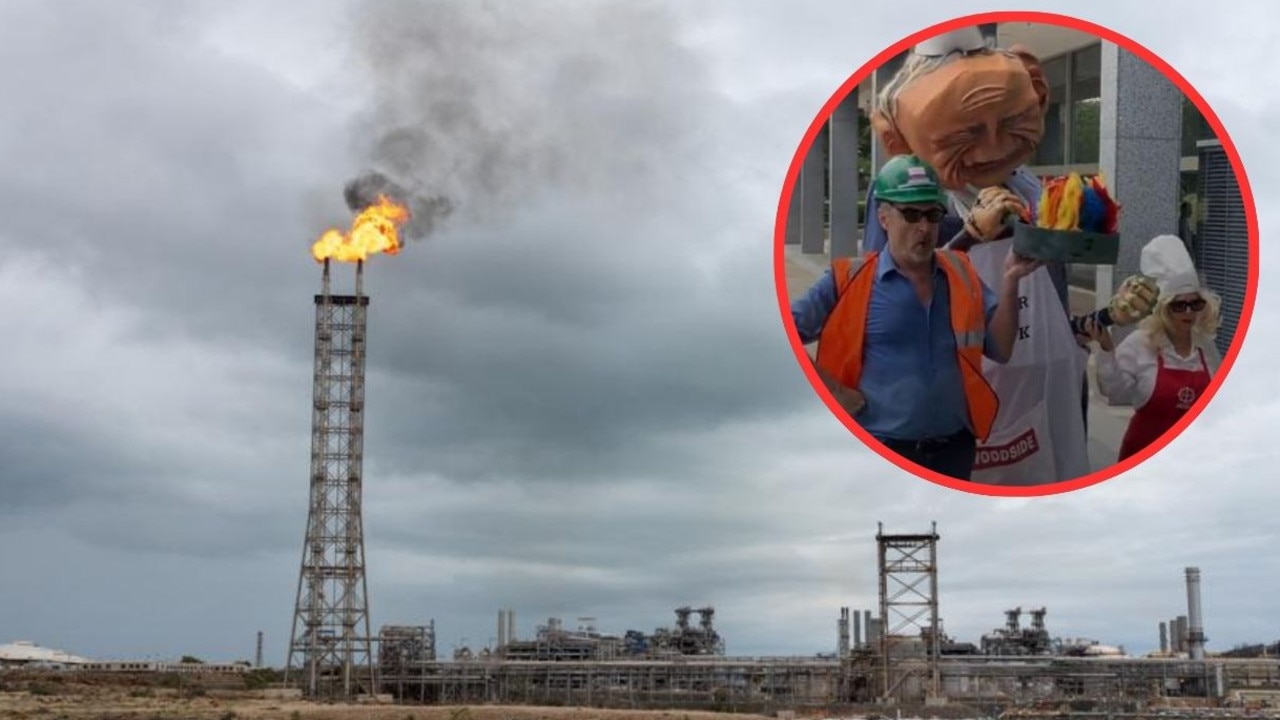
(910, 374)
(1022, 181)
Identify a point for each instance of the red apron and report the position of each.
(1174, 393)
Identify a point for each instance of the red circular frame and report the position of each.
(1246, 193)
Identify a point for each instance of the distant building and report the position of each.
(153, 666)
(24, 653)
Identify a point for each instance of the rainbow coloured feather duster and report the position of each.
(1070, 202)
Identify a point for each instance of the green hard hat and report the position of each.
(907, 179)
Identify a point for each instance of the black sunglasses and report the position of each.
(914, 215)
(1181, 306)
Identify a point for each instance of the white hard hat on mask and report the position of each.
(1166, 259)
(965, 39)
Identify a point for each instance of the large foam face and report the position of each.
(975, 119)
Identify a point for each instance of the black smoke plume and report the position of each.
(427, 211)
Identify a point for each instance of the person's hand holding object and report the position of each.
(1133, 301)
(987, 218)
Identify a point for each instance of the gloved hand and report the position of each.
(986, 219)
(1134, 300)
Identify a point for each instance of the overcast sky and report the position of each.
(581, 399)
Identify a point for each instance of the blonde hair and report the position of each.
(1157, 324)
(916, 66)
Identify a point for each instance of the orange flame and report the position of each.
(375, 230)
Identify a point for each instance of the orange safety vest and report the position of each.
(840, 345)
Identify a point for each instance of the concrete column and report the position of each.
(1140, 152)
(1195, 620)
(813, 201)
(880, 78)
(794, 226)
(842, 129)
(805, 225)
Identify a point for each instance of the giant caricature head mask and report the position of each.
(975, 118)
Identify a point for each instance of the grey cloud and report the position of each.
(600, 115)
(46, 460)
(170, 176)
(489, 111)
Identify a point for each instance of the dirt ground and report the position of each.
(22, 706)
(96, 702)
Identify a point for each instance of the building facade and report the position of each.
(1148, 147)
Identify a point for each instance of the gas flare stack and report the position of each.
(330, 649)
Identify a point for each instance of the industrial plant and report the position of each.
(894, 655)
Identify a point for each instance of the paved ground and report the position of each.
(1106, 423)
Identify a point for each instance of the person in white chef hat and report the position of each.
(1166, 364)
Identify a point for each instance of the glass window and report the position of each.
(1194, 128)
(1189, 182)
(1086, 103)
(886, 71)
(1189, 208)
(1050, 151)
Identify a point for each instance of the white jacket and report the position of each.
(1128, 374)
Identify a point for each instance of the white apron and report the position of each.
(1038, 435)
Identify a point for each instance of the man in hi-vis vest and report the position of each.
(901, 333)
(976, 113)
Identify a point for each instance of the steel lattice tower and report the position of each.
(330, 653)
(909, 604)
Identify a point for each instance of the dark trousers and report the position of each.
(1084, 403)
(951, 456)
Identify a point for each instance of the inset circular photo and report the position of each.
(1016, 253)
